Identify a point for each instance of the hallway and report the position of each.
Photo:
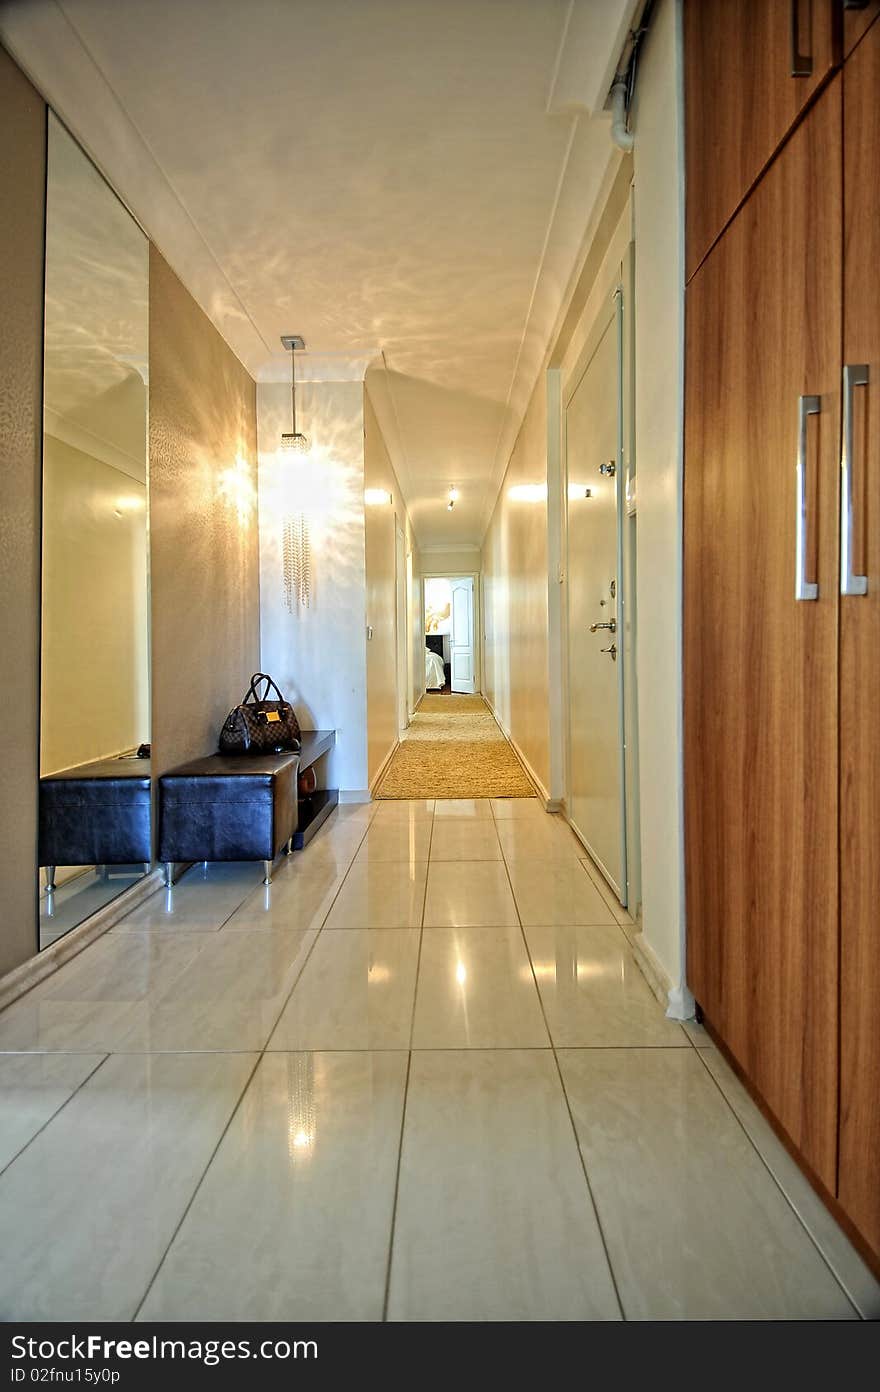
(454, 748)
(420, 1076)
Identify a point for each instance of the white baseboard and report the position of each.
(377, 777)
(23, 978)
(550, 804)
(681, 1004)
(677, 1001)
(355, 795)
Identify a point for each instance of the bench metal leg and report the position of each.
(267, 872)
(50, 878)
(288, 849)
(169, 867)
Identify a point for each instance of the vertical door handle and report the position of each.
(854, 375)
(803, 588)
(801, 63)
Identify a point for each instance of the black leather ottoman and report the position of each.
(228, 808)
(96, 814)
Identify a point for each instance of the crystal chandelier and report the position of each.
(293, 439)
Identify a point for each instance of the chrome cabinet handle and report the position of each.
(803, 588)
(854, 375)
(801, 63)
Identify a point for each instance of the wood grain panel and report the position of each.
(761, 777)
(856, 22)
(741, 99)
(859, 1185)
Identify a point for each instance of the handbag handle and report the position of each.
(252, 689)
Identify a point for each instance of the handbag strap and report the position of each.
(252, 694)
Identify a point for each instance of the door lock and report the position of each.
(612, 652)
(609, 469)
(611, 626)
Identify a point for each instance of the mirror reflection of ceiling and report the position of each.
(406, 183)
(95, 366)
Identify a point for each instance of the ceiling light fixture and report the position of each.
(453, 496)
(293, 439)
(377, 497)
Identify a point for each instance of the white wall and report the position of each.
(516, 658)
(659, 339)
(318, 654)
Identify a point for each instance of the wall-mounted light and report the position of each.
(236, 486)
(453, 498)
(377, 497)
(293, 439)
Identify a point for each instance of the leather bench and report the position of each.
(228, 808)
(95, 814)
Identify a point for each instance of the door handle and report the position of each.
(803, 588)
(854, 375)
(801, 63)
(611, 626)
(612, 652)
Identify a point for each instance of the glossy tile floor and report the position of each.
(420, 1077)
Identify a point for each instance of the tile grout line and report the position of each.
(765, 1163)
(575, 1137)
(412, 1023)
(261, 1053)
(58, 1110)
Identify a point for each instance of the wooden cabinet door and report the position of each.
(763, 317)
(859, 1184)
(741, 98)
(857, 19)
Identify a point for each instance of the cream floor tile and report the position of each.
(381, 894)
(593, 991)
(356, 992)
(494, 1219)
(476, 991)
(523, 838)
(852, 1273)
(352, 812)
(505, 808)
(695, 1226)
(293, 1219)
(201, 901)
(92, 1003)
(459, 840)
(400, 841)
(230, 998)
(32, 1089)
(301, 897)
(89, 1208)
(480, 808)
(403, 810)
(472, 894)
(556, 892)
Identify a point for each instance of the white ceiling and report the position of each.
(406, 183)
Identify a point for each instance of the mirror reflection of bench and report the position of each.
(95, 814)
(242, 807)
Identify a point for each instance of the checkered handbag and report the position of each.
(259, 725)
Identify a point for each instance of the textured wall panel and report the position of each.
(204, 535)
(22, 207)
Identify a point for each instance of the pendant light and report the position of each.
(293, 439)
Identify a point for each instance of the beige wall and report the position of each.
(515, 657)
(22, 210)
(659, 319)
(94, 674)
(380, 524)
(204, 557)
(455, 561)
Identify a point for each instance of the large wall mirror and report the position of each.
(94, 837)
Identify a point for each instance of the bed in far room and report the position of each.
(435, 676)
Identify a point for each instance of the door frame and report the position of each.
(476, 576)
(609, 313)
(401, 627)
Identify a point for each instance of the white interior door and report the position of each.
(462, 646)
(595, 642)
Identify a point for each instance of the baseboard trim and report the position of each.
(23, 978)
(380, 772)
(347, 795)
(550, 804)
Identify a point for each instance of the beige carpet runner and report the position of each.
(454, 749)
